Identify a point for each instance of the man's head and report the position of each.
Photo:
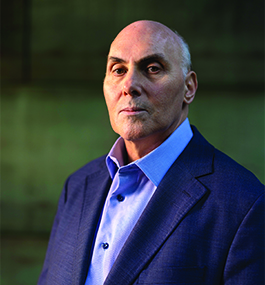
(185, 54)
(148, 84)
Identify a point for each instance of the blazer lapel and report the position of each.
(96, 189)
(176, 195)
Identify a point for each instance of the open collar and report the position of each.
(156, 163)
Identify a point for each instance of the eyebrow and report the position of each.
(149, 58)
(115, 59)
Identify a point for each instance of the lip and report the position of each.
(132, 110)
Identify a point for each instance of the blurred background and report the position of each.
(53, 115)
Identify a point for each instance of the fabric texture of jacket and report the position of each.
(203, 225)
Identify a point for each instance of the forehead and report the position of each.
(136, 42)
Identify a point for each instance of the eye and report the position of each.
(153, 69)
(118, 71)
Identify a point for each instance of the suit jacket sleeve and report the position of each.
(245, 261)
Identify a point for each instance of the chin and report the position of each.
(132, 137)
(131, 132)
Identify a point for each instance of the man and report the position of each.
(164, 207)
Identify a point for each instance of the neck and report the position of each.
(137, 149)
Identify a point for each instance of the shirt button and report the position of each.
(120, 198)
(105, 245)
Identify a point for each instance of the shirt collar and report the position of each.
(156, 163)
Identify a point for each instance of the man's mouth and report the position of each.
(132, 110)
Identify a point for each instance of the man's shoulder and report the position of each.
(232, 170)
(227, 174)
(93, 172)
(92, 168)
(234, 179)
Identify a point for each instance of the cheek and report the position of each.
(110, 98)
(111, 109)
(168, 95)
(168, 102)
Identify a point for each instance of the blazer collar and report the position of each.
(176, 195)
(197, 157)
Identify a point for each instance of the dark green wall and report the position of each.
(53, 115)
(54, 118)
(68, 40)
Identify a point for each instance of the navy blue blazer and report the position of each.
(203, 225)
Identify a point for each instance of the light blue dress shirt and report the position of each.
(132, 187)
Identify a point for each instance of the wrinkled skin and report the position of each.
(145, 90)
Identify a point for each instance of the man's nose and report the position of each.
(132, 84)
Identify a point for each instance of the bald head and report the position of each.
(145, 27)
(146, 86)
(156, 33)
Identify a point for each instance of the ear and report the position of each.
(191, 85)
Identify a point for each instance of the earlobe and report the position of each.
(191, 85)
